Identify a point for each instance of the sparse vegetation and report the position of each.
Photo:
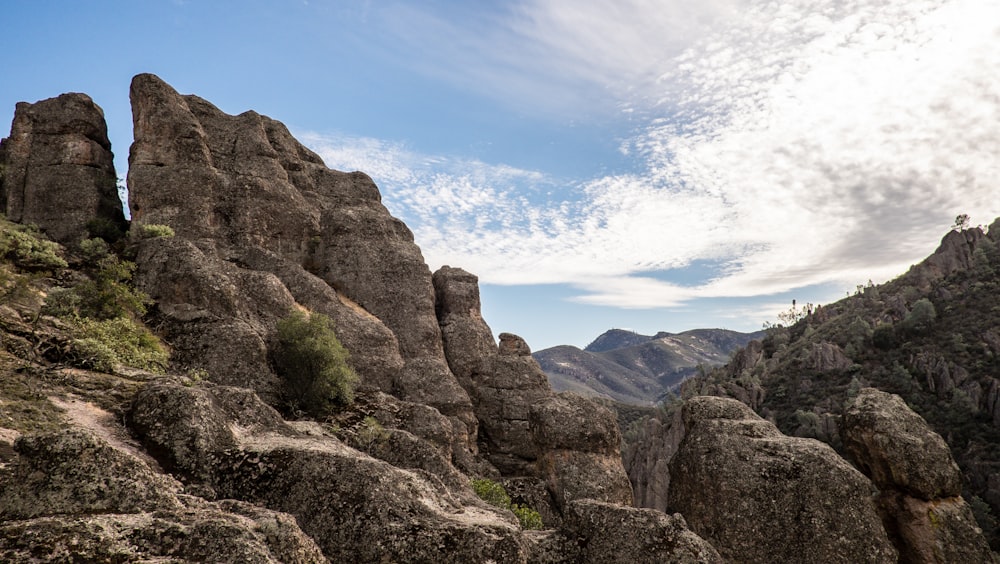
(154, 230)
(102, 344)
(27, 249)
(494, 494)
(371, 432)
(313, 364)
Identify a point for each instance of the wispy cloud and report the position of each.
(801, 143)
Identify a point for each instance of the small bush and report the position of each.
(104, 344)
(313, 364)
(494, 494)
(20, 245)
(93, 250)
(371, 432)
(491, 492)
(154, 230)
(109, 294)
(528, 517)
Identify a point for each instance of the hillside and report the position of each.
(639, 369)
(259, 367)
(932, 336)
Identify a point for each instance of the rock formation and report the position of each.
(71, 496)
(58, 151)
(525, 429)
(260, 224)
(759, 496)
(919, 483)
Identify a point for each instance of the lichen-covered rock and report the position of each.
(919, 482)
(896, 448)
(614, 533)
(70, 496)
(938, 531)
(188, 426)
(468, 340)
(75, 472)
(579, 445)
(58, 151)
(759, 496)
(199, 532)
(356, 507)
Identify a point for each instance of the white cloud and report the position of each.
(798, 144)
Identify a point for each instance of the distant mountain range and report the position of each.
(638, 369)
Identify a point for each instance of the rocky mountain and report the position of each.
(640, 369)
(146, 413)
(930, 337)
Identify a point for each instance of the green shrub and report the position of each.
(494, 494)
(921, 316)
(528, 517)
(313, 364)
(109, 293)
(154, 230)
(93, 250)
(104, 344)
(20, 245)
(371, 432)
(491, 492)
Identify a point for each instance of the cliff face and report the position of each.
(102, 461)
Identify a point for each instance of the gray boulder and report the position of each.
(759, 496)
(919, 482)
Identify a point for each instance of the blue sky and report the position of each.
(642, 164)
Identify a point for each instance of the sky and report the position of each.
(653, 165)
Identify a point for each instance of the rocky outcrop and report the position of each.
(357, 508)
(614, 533)
(579, 444)
(647, 460)
(260, 222)
(524, 429)
(759, 496)
(954, 254)
(71, 496)
(58, 151)
(920, 484)
(827, 356)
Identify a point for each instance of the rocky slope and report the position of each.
(639, 369)
(928, 336)
(203, 457)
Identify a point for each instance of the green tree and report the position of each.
(921, 316)
(313, 364)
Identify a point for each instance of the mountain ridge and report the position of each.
(626, 366)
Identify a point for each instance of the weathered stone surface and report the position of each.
(357, 508)
(75, 472)
(759, 496)
(71, 496)
(58, 151)
(613, 533)
(186, 427)
(896, 448)
(235, 184)
(919, 480)
(939, 531)
(468, 340)
(579, 450)
(827, 356)
(952, 255)
(512, 345)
